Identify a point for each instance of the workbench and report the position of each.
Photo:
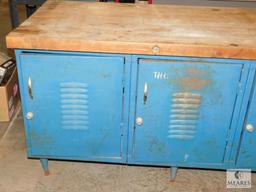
(170, 86)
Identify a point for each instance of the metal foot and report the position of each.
(44, 163)
(173, 173)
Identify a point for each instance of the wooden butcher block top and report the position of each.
(139, 29)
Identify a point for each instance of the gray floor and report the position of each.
(19, 174)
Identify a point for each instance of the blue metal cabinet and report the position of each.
(247, 153)
(172, 111)
(73, 106)
(183, 111)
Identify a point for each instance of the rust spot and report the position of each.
(106, 75)
(46, 173)
(192, 78)
(250, 141)
(193, 71)
(156, 146)
(40, 139)
(211, 144)
(193, 83)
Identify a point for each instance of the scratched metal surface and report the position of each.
(184, 114)
(77, 108)
(247, 155)
(203, 95)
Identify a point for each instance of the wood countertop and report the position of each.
(139, 29)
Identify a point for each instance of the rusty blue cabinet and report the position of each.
(135, 109)
(190, 112)
(74, 106)
(247, 153)
(186, 108)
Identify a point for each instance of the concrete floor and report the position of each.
(19, 174)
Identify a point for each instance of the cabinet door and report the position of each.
(74, 105)
(183, 110)
(247, 153)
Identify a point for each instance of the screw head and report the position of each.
(155, 49)
(249, 128)
(29, 115)
(139, 121)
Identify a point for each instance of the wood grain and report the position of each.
(139, 29)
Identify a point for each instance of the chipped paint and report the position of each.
(192, 83)
(156, 146)
(191, 78)
(186, 156)
(40, 139)
(106, 75)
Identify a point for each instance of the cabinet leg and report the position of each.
(44, 163)
(173, 173)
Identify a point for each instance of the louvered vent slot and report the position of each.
(184, 115)
(74, 105)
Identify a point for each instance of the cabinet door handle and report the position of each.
(249, 128)
(29, 115)
(145, 93)
(30, 87)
